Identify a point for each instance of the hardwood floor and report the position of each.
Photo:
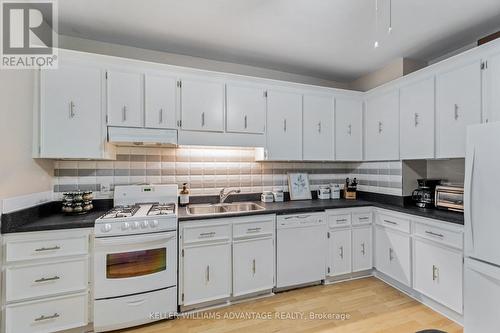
(372, 307)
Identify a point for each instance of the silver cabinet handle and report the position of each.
(284, 125)
(207, 234)
(297, 217)
(53, 248)
(391, 257)
(249, 230)
(341, 221)
(434, 234)
(124, 113)
(390, 222)
(71, 109)
(364, 218)
(203, 119)
(253, 267)
(416, 119)
(319, 127)
(47, 279)
(435, 273)
(349, 129)
(341, 252)
(161, 116)
(456, 112)
(380, 126)
(43, 317)
(363, 250)
(208, 273)
(246, 122)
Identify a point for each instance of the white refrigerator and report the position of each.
(482, 230)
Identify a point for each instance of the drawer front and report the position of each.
(46, 279)
(253, 229)
(50, 315)
(342, 220)
(17, 250)
(400, 223)
(208, 233)
(361, 218)
(446, 237)
(300, 220)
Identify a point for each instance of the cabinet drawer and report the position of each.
(207, 233)
(45, 247)
(446, 237)
(49, 315)
(253, 229)
(45, 279)
(362, 218)
(400, 223)
(342, 220)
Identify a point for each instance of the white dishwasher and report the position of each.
(301, 248)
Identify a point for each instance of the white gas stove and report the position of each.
(135, 257)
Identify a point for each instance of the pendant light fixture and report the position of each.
(375, 44)
(389, 30)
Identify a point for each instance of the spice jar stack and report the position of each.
(75, 203)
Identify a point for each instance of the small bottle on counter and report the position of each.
(184, 195)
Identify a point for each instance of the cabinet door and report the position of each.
(392, 255)
(362, 249)
(202, 105)
(438, 273)
(206, 273)
(458, 104)
(125, 99)
(284, 126)
(318, 127)
(382, 127)
(417, 120)
(339, 252)
(492, 88)
(246, 109)
(71, 121)
(348, 129)
(160, 101)
(253, 266)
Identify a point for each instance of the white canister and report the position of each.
(278, 195)
(324, 192)
(335, 191)
(267, 196)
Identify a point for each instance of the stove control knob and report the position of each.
(106, 227)
(125, 225)
(144, 224)
(154, 223)
(135, 225)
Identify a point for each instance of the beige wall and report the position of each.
(19, 173)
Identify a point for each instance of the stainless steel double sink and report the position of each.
(223, 208)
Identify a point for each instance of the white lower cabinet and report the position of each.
(339, 250)
(362, 253)
(392, 254)
(438, 273)
(207, 273)
(253, 266)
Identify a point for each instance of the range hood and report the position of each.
(128, 136)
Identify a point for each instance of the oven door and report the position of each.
(128, 265)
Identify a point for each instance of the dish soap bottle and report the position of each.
(184, 195)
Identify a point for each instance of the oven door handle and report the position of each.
(136, 239)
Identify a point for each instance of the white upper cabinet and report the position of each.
(71, 118)
(284, 125)
(492, 88)
(202, 105)
(348, 129)
(458, 104)
(318, 127)
(125, 99)
(246, 109)
(417, 120)
(160, 101)
(382, 127)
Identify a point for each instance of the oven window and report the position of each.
(137, 263)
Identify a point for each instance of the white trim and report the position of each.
(26, 201)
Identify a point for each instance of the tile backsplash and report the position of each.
(207, 170)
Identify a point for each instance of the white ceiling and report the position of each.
(330, 39)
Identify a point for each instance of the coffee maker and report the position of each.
(423, 196)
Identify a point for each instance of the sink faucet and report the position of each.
(223, 196)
